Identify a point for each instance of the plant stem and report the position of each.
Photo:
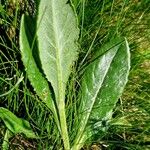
(78, 144)
(63, 124)
(62, 115)
(61, 108)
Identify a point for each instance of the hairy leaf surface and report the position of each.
(102, 85)
(57, 35)
(16, 125)
(35, 76)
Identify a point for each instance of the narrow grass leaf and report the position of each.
(18, 82)
(5, 144)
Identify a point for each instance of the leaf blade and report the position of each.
(102, 84)
(34, 75)
(36, 78)
(57, 50)
(57, 46)
(16, 125)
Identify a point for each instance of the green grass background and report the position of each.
(99, 21)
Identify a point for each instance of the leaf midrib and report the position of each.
(60, 94)
(57, 48)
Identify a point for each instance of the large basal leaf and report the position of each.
(57, 36)
(36, 78)
(16, 125)
(102, 85)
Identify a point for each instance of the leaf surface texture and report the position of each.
(57, 33)
(102, 84)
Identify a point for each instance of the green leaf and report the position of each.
(122, 121)
(36, 78)
(5, 144)
(16, 125)
(18, 82)
(102, 85)
(57, 34)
